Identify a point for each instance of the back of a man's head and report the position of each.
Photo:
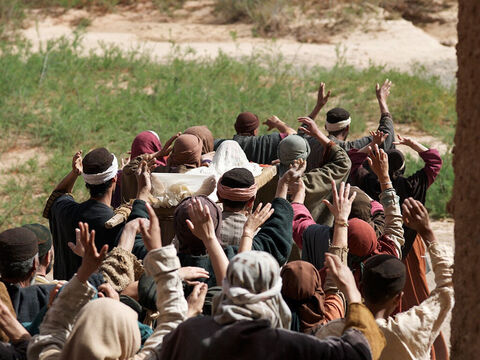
(99, 168)
(18, 250)
(234, 181)
(383, 278)
(338, 121)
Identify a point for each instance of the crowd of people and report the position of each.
(325, 260)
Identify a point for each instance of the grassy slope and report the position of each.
(65, 102)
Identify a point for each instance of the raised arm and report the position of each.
(322, 99)
(162, 264)
(254, 221)
(60, 318)
(67, 183)
(274, 122)
(378, 161)
(425, 320)
(431, 157)
(201, 225)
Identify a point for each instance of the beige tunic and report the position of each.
(410, 334)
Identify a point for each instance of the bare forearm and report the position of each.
(418, 147)
(382, 103)
(282, 189)
(385, 182)
(219, 260)
(315, 111)
(340, 234)
(246, 242)
(284, 128)
(66, 185)
(322, 138)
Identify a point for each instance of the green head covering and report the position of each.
(44, 237)
(292, 148)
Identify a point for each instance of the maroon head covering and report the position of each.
(189, 243)
(147, 142)
(204, 134)
(246, 123)
(362, 240)
(302, 289)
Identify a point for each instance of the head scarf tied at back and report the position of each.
(292, 148)
(246, 123)
(105, 329)
(396, 163)
(189, 243)
(99, 166)
(302, 289)
(187, 151)
(337, 119)
(204, 134)
(252, 290)
(147, 142)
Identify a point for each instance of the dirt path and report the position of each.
(393, 43)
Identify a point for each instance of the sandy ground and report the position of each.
(393, 43)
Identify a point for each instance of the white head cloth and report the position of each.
(97, 179)
(337, 126)
(252, 290)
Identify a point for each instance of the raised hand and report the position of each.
(272, 122)
(257, 218)
(310, 127)
(191, 273)
(295, 171)
(297, 191)
(342, 202)
(378, 161)
(383, 91)
(144, 182)
(343, 278)
(92, 259)
(322, 99)
(54, 292)
(415, 216)
(77, 166)
(77, 248)
(150, 229)
(167, 147)
(378, 137)
(196, 300)
(201, 223)
(411, 143)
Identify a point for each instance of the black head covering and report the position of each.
(44, 237)
(336, 115)
(238, 178)
(97, 161)
(17, 244)
(396, 163)
(383, 277)
(316, 241)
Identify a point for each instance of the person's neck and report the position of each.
(42, 271)
(245, 212)
(378, 312)
(105, 199)
(23, 283)
(340, 137)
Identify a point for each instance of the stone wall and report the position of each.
(466, 196)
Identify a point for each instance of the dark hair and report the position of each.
(338, 132)
(383, 278)
(97, 191)
(19, 270)
(234, 205)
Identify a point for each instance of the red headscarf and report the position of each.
(362, 240)
(147, 142)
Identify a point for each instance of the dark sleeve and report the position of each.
(59, 205)
(17, 351)
(386, 125)
(260, 149)
(139, 210)
(355, 144)
(352, 345)
(275, 236)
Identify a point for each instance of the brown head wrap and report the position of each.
(302, 289)
(186, 151)
(44, 237)
(246, 123)
(204, 134)
(361, 206)
(189, 243)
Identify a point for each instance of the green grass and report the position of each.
(62, 102)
